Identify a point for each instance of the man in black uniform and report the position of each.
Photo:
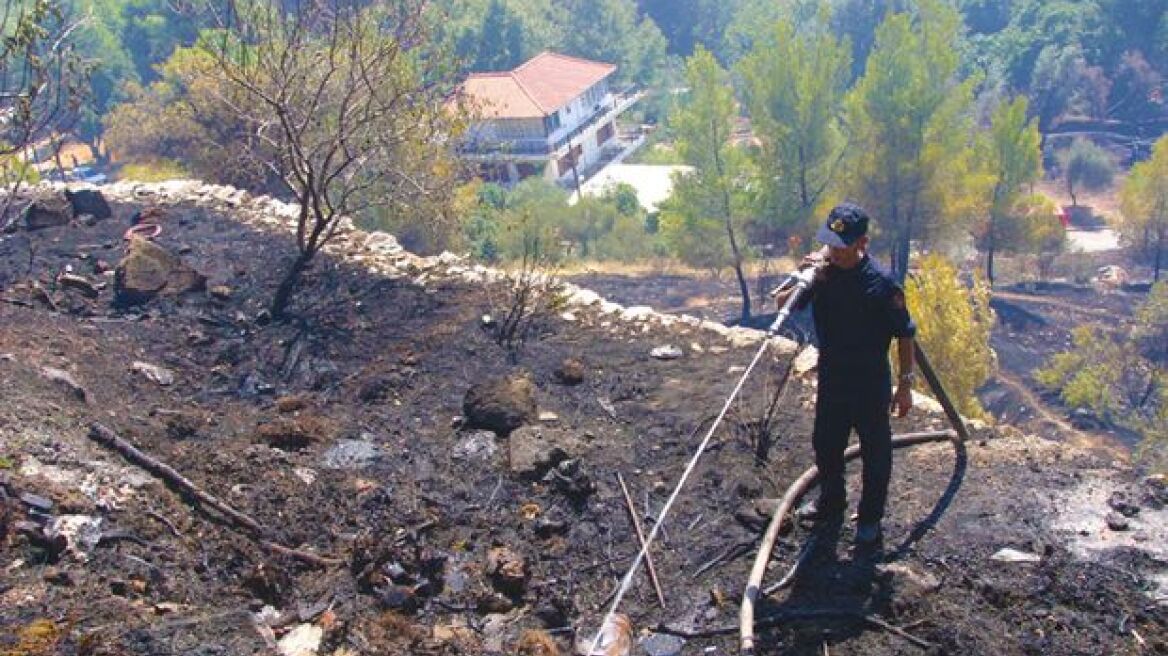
(857, 309)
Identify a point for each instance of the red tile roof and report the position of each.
(537, 88)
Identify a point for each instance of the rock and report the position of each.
(351, 454)
(501, 404)
(79, 533)
(36, 502)
(507, 571)
(65, 379)
(1008, 555)
(304, 640)
(476, 446)
(570, 479)
(89, 201)
(155, 373)
(534, 450)
(1122, 503)
(1156, 491)
(571, 371)
(1117, 522)
(806, 362)
(667, 352)
(661, 644)
(148, 270)
(47, 212)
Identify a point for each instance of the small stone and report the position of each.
(155, 373)
(304, 640)
(1117, 522)
(1008, 555)
(667, 352)
(36, 502)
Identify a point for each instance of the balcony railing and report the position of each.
(541, 147)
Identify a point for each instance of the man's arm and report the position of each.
(902, 400)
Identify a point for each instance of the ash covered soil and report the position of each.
(387, 524)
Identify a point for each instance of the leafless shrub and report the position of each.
(532, 295)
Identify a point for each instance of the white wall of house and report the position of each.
(580, 109)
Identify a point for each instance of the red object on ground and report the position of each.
(1064, 217)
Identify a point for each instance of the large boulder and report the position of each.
(500, 404)
(47, 212)
(89, 201)
(148, 270)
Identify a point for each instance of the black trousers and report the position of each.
(838, 410)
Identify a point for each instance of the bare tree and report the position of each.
(348, 101)
(42, 80)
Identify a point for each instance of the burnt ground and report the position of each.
(414, 504)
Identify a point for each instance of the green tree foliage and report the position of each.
(1122, 378)
(953, 326)
(186, 116)
(488, 35)
(348, 102)
(612, 31)
(689, 23)
(714, 192)
(910, 122)
(794, 85)
(1086, 166)
(1013, 161)
(125, 40)
(1144, 206)
(501, 224)
(42, 79)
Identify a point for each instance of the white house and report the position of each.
(550, 113)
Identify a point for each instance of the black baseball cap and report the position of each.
(846, 223)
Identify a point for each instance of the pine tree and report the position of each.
(715, 191)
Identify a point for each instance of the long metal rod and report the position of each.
(801, 280)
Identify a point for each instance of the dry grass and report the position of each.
(668, 267)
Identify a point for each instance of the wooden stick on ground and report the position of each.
(111, 440)
(797, 490)
(649, 568)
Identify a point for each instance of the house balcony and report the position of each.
(536, 149)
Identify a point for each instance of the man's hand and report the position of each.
(902, 400)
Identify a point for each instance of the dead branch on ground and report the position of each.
(253, 529)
